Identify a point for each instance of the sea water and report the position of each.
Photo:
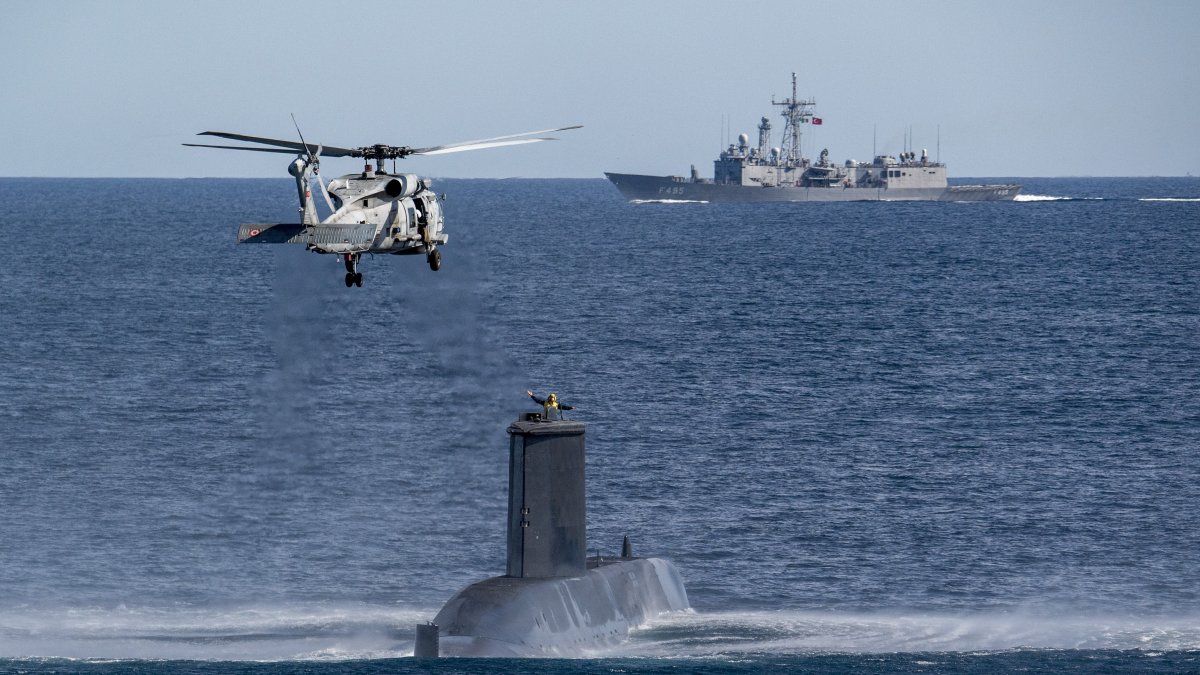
(872, 436)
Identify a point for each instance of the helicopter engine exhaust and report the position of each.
(403, 185)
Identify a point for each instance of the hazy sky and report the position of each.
(1040, 88)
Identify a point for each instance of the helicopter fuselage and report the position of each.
(405, 214)
(372, 212)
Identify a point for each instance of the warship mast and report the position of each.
(795, 113)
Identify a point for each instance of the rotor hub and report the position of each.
(380, 151)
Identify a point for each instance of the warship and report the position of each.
(743, 173)
(553, 600)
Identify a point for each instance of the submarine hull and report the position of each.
(566, 616)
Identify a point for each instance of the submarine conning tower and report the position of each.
(547, 505)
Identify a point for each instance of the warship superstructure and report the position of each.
(762, 173)
(554, 600)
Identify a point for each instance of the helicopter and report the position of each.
(370, 212)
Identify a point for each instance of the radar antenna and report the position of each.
(795, 112)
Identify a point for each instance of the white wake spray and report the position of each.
(729, 634)
(1039, 198)
(303, 631)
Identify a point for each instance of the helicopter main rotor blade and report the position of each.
(242, 147)
(376, 152)
(489, 142)
(477, 146)
(327, 150)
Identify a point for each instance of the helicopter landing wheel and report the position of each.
(353, 276)
(435, 260)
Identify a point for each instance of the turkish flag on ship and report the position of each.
(816, 120)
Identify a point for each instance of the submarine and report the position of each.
(553, 600)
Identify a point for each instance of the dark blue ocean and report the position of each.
(874, 437)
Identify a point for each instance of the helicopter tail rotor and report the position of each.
(314, 160)
(307, 148)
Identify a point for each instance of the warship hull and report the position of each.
(635, 187)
